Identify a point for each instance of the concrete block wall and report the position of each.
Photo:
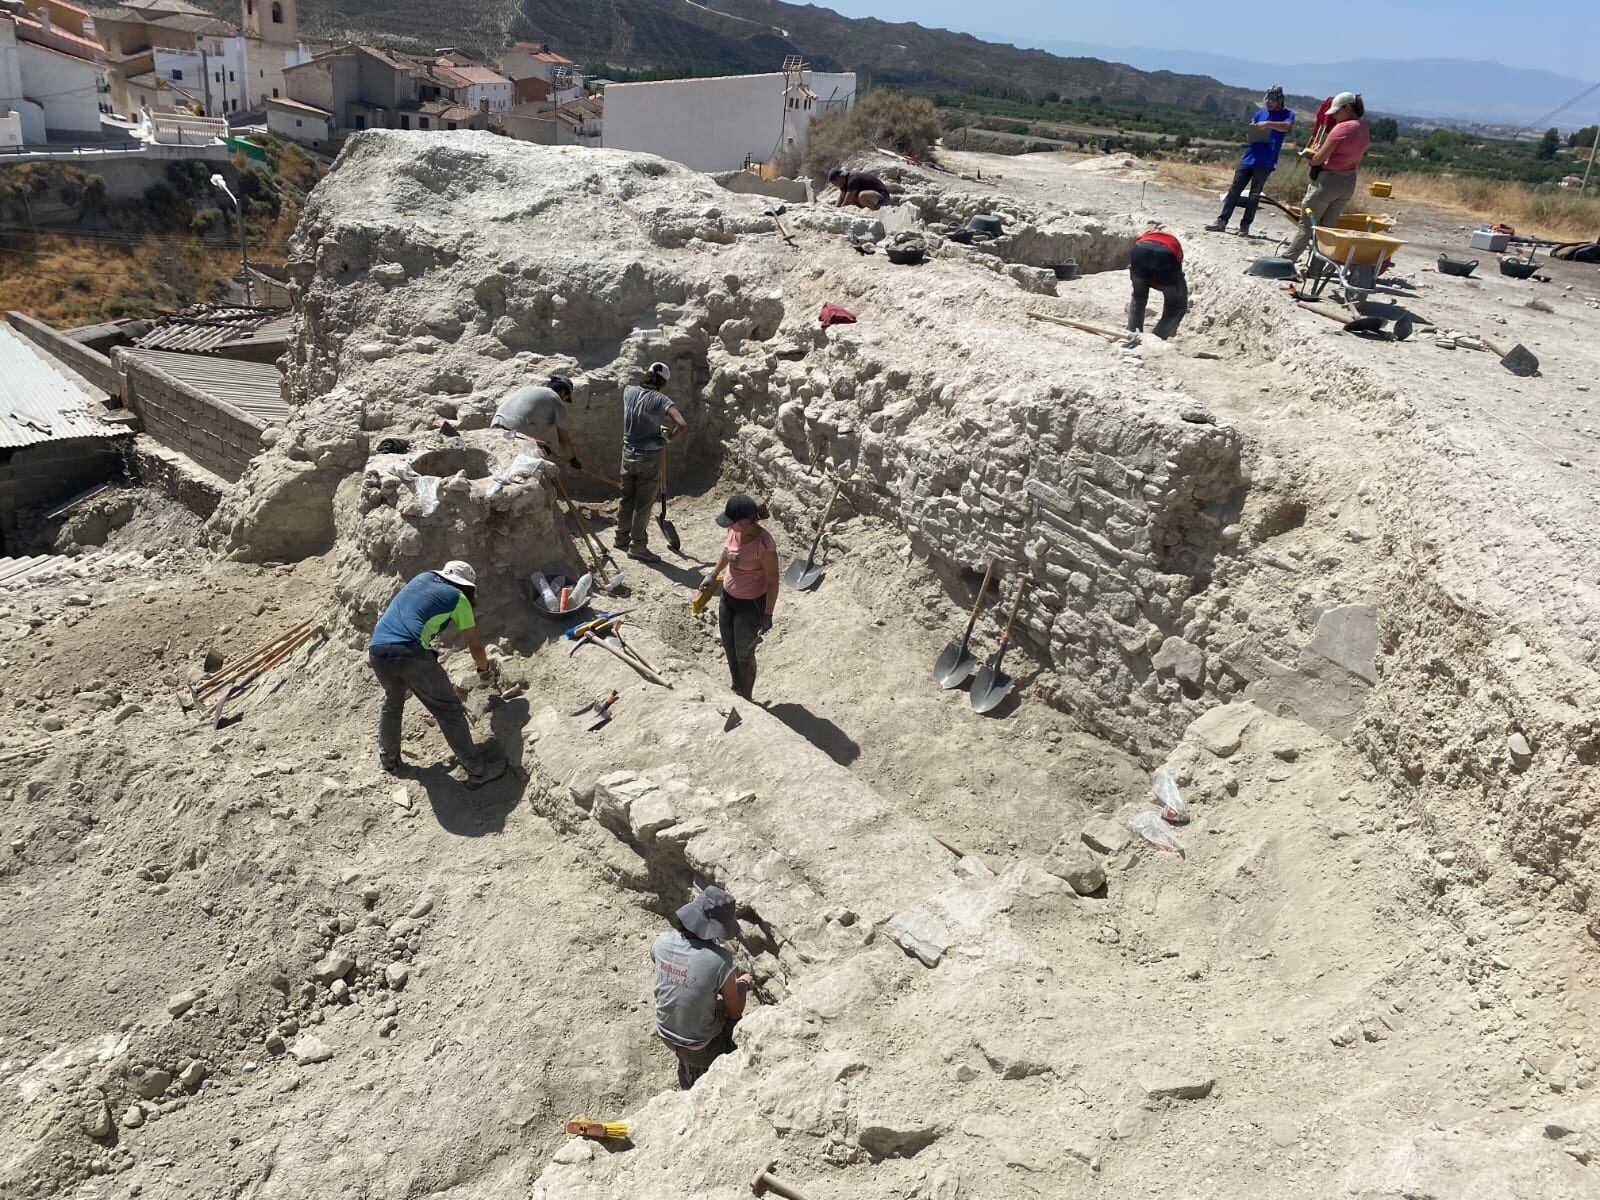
(156, 466)
(217, 436)
(39, 476)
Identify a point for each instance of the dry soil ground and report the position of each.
(1366, 1039)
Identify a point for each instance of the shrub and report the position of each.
(883, 119)
(205, 221)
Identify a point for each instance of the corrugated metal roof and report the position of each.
(39, 403)
(253, 387)
(203, 328)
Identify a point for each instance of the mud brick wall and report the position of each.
(217, 436)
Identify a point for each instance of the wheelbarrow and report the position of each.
(1350, 257)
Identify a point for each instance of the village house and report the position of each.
(539, 75)
(50, 73)
(725, 123)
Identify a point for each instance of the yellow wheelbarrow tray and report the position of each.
(1354, 248)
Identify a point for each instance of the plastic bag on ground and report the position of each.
(426, 487)
(1165, 789)
(1153, 829)
(523, 468)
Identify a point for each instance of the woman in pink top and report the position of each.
(1333, 169)
(749, 588)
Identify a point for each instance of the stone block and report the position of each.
(1348, 636)
(1221, 729)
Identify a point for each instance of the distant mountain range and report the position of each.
(1440, 88)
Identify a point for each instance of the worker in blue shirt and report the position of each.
(1268, 128)
(402, 656)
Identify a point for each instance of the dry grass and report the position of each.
(1557, 213)
(66, 281)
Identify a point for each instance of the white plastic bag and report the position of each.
(1165, 789)
(523, 468)
(425, 487)
(1153, 829)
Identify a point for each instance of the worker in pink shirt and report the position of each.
(1333, 169)
(749, 564)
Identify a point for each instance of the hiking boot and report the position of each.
(620, 543)
(489, 774)
(644, 554)
(392, 766)
(1217, 227)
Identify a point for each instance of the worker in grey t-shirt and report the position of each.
(649, 422)
(540, 413)
(699, 994)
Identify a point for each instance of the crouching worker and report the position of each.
(402, 657)
(1157, 262)
(699, 996)
(859, 189)
(749, 565)
(540, 413)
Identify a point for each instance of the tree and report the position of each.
(1584, 137)
(1385, 129)
(1549, 144)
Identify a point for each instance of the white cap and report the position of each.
(1343, 100)
(661, 369)
(460, 573)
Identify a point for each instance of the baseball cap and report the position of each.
(661, 370)
(739, 508)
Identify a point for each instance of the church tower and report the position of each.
(274, 21)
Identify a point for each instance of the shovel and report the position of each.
(668, 529)
(993, 685)
(955, 661)
(801, 575)
(1519, 360)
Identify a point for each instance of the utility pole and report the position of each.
(221, 184)
(1592, 146)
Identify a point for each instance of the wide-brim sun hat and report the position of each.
(710, 916)
(459, 573)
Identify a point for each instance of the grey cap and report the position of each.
(1274, 94)
(710, 915)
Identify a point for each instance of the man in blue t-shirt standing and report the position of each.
(402, 657)
(1268, 128)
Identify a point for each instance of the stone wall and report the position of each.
(1114, 513)
(156, 466)
(219, 437)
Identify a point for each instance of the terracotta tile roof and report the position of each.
(542, 52)
(298, 106)
(479, 75)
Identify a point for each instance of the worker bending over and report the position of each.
(859, 188)
(1157, 262)
(402, 657)
(540, 413)
(699, 995)
(649, 421)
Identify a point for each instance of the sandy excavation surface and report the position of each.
(245, 962)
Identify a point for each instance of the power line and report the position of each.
(1556, 112)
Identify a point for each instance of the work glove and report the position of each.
(666, 434)
(490, 674)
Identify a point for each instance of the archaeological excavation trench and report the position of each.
(974, 979)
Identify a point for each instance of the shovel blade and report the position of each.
(670, 532)
(954, 666)
(801, 574)
(991, 686)
(1519, 360)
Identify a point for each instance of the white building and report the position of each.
(473, 85)
(540, 75)
(725, 123)
(49, 74)
(214, 72)
(303, 123)
(272, 42)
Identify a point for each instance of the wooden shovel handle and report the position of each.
(822, 525)
(1016, 603)
(983, 591)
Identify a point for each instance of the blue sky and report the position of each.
(1560, 35)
